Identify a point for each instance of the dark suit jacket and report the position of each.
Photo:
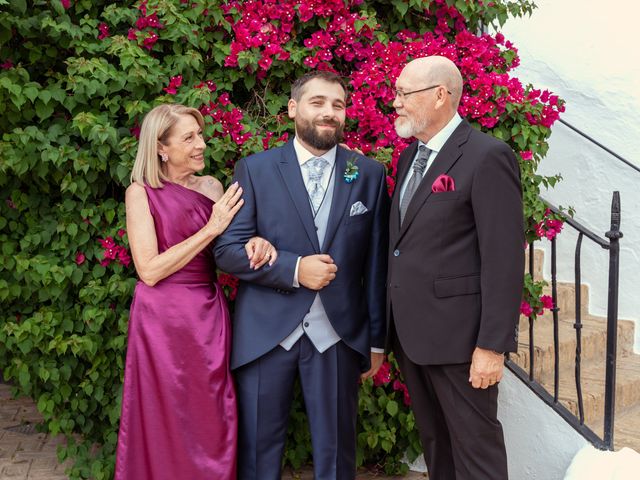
(456, 264)
(268, 308)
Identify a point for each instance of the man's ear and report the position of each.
(441, 99)
(292, 106)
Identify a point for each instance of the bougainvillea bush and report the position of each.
(76, 78)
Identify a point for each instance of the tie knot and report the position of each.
(316, 166)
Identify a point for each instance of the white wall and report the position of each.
(586, 51)
(540, 444)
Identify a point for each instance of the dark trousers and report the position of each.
(461, 435)
(329, 383)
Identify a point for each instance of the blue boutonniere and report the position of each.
(351, 172)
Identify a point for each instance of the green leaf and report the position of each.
(72, 229)
(43, 111)
(31, 93)
(392, 408)
(45, 96)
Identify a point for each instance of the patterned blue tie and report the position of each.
(315, 167)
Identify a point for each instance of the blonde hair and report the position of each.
(156, 127)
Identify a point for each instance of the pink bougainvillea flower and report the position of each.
(525, 309)
(399, 386)
(7, 64)
(80, 258)
(10, 204)
(66, 4)
(547, 301)
(174, 83)
(526, 155)
(113, 252)
(123, 256)
(150, 41)
(142, 23)
(104, 31)
(132, 35)
(226, 280)
(153, 22)
(107, 242)
(135, 131)
(383, 376)
(121, 232)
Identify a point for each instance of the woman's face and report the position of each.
(184, 146)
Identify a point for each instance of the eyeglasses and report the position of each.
(402, 95)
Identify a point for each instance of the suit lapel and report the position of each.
(446, 158)
(292, 177)
(340, 200)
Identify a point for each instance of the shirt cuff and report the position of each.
(296, 284)
(377, 350)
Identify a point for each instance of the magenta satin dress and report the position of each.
(179, 419)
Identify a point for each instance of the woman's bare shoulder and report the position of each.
(211, 187)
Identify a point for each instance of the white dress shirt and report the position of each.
(435, 145)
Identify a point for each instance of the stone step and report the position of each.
(538, 262)
(567, 300)
(566, 290)
(592, 377)
(627, 428)
(593, 342)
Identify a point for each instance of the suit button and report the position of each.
(396, 253)
(306, 324)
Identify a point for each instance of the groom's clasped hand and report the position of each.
(317, 271)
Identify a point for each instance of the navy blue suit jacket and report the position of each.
(268, 308)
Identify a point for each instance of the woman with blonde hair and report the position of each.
(179, 416)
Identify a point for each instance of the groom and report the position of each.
(317, 313)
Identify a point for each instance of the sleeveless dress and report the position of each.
(179, 418)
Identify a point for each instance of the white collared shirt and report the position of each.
(435, 145)
(305, 155)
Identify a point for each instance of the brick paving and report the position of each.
(26, 454)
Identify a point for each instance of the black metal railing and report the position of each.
(611, 244)
(595, 142)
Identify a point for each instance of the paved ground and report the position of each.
(26, 454)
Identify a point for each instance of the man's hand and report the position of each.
(376, 363)
(345, 146)
(486, 368)
(316, 271)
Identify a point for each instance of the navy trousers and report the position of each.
(330, 388)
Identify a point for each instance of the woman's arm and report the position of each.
(152, 266)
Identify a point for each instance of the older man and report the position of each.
(455, 272)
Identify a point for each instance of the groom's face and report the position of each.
(319, 114)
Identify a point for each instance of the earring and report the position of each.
(164, 157)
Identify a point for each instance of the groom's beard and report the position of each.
(322, 140)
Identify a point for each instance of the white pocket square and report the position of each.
(358, 209)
